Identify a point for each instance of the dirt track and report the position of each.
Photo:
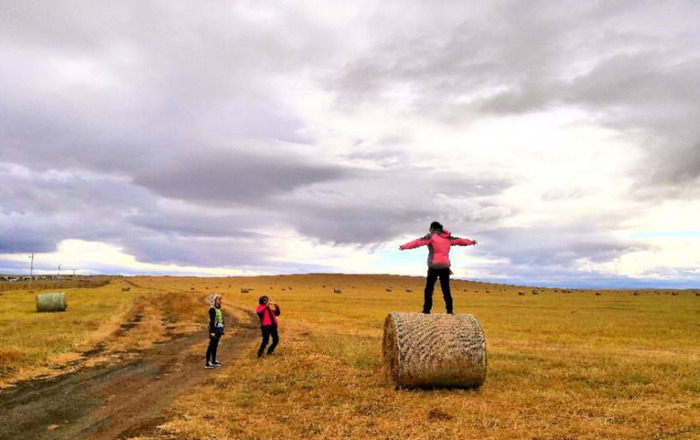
(117, 400)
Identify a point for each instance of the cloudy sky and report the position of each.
(248, 137)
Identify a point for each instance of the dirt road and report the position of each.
(117, 400)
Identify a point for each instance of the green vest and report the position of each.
(219, 317)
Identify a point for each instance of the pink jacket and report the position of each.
(267, 315)
(439, 244)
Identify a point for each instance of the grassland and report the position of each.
(97, 322)
(561, 366)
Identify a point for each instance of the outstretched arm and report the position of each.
(456, 241)
(423, 241)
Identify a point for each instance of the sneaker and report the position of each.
(209, 365)
(216, 363)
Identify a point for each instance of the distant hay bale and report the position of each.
(434, 350)
(598, 293)
(535, 292)
(674, 293)
(245, 289)
(337, 290)
(126, 288)
(521, 293)
(388, 289)
(409, 290)
(51, 302)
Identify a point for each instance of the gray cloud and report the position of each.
(243, 177)
(182, 136)
(625, 69)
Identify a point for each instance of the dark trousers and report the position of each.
(211, 350)
(267, 331)
(433, 275)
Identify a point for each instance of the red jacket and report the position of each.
(439, 244)
(268, 317)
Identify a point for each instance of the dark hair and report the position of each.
(263, 299)
(436, 225)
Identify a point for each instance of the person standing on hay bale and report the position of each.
(216, 330)
(439, 241)
(268, 324)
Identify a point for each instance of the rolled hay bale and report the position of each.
(245, 289)
(126, 288)
(598, 293)
(409, 290)
(521, 293)
(388, 289)
(438, 350)
(51, 302)
(337, 290)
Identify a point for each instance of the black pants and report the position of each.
(433, 275)
(267, 331)
(213, 344)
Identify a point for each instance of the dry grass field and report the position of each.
(97, 322)
(561, 365)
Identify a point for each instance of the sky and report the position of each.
(249, 138)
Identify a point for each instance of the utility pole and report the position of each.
(31, 271)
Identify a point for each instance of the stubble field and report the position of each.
(561, 365)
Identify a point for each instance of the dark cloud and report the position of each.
(243, 177)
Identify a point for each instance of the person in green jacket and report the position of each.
(216, 330)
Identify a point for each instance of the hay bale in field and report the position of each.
(521, 293)
(409, 290)
(337, 290)
(535, 292)
(51, 302)
(674, 293)
(245, 289)
(388, 289)
(126, 288)
(598, 293)
(434, 350)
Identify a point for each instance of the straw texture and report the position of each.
(51, 302)
(437, 350)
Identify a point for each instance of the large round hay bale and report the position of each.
(51, 302)
(245, 289)
(125, 288)
(337, 290)
(439, 350)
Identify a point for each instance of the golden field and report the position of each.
(560, 365)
